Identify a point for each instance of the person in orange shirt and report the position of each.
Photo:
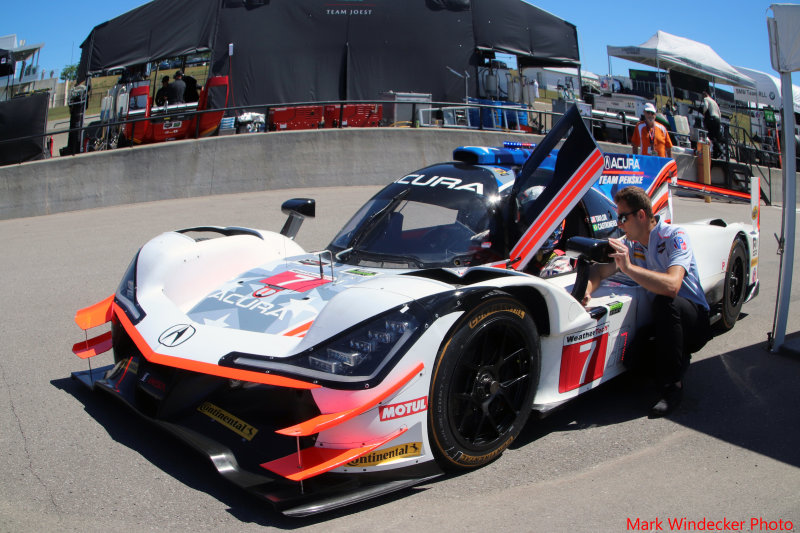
(651, 136)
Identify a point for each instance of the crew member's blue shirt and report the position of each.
(669, 245)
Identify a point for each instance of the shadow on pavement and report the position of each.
(193, 469)
(747, 397)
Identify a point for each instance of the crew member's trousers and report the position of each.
(680, 328)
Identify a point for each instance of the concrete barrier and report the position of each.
(235, 164)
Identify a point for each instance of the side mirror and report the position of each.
(586, 251)
(591, 250)
(297, 209)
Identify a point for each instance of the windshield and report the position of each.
(424, 220)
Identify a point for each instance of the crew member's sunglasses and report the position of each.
(623, 217)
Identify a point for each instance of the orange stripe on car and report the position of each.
(314, 461)
(205, 368)
(325, 421)
(94, 315)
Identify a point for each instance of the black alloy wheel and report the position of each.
(483, 384)
(735, 285)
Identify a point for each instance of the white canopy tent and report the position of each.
(784, 48)
(670, 52)
(767, 91)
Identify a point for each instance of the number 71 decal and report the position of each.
(294, 280)
(583, 358)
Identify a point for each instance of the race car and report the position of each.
(418, 342)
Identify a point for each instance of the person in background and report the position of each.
(192, 90)
(659, 257)
(650, 136)
(161, 94)
(176, 89)
(711, 121)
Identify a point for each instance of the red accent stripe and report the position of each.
(302, 328)
(559, 205)
(700, 187)
(91, 347)
(556, 206)
(205, 368)
(323, 422)
(314, 461)
(618, 172)
(667, 171)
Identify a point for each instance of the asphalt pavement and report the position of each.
(77, 461)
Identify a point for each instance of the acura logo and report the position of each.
(176, 335)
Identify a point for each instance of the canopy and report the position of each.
(670, 52)
(313, 50)
(767, 91)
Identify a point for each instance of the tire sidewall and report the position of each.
(731, 314)
(493, 308)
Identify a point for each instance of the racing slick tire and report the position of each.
(483, 384)
(735, 286)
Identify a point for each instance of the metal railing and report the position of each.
(514, 118)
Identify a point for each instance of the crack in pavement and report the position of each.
(25, 441)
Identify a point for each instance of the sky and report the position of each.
(735, 29)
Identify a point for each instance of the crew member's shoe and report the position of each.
(671, 397)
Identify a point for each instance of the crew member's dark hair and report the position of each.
(635, 198)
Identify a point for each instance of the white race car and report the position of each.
(418, 341)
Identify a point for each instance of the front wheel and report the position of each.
(735, 285)
(483, 383)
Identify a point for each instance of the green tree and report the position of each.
(69, 72)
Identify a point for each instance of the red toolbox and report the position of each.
(295, 118)
(353, 115)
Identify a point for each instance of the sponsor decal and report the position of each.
(679, 243)
(348, 7)
(616, 179)
(237, 425)
(583, 358)
(389, 455)
(604, 225)
(149, 379)
(359, 272)
(399, 410)
(311, 262)
(294, 280)
(497, 309)
(421, 180)
(620, 162)
(614, 308)
(176, 335)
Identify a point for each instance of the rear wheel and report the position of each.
(735, 285)
(483, 384)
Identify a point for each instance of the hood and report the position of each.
(287, 298)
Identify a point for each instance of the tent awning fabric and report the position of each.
(670, 52)
(767, 91)
(312, 50)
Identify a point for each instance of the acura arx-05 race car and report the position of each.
(419, 341)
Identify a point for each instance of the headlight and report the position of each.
(358, 358)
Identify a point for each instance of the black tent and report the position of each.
(311, 50)
(23, 116)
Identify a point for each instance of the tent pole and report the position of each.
(786, 244)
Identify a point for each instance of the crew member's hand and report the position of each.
(620, 255)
